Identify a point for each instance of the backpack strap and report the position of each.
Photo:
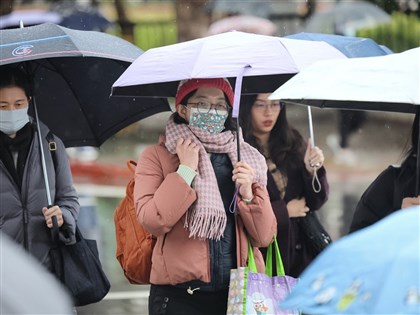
(52, 146)
(131, 166)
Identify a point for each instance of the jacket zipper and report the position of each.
(24, 202)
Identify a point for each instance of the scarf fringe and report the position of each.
(206, 223)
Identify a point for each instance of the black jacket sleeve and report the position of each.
(377, 201)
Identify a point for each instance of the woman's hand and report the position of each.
(314, 158)
(410, 201)
(297, 208)
(243, 176)
(187, 151)
(50, 212)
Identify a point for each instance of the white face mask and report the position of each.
(11, 121)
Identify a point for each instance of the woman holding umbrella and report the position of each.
(201, 203)
(25, 214)
(392, 190)
(291, 166)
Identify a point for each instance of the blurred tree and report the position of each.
(6, 7)
(406, 6)
(193, 19)
(127, 27)
(400, 34)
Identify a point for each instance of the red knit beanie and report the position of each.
(187, 86)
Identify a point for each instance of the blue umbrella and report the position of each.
(86, 21)
(352, 47)
(373, 271)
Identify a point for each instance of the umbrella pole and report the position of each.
(236, 105)
(41, 148)
(237, 139)
(311, 127)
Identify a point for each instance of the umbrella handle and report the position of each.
(54, 230)
(316, 184)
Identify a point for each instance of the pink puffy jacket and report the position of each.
(162, 198)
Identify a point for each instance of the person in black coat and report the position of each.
(291, 165)
(392, 190)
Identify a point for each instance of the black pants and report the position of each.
(169, 300)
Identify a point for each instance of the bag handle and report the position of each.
(269, 259)
(251, 259)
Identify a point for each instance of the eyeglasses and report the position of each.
(204, 107)
(262, 106)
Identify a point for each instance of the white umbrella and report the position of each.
(385, 83)
(27, 287)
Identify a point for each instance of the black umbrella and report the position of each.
(73, 72)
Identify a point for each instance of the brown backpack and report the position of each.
(134, 243)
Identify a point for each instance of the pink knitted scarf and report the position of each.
(206, 218)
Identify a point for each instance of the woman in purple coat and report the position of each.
(291, 165)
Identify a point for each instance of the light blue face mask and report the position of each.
(11, 121)
(211, 122)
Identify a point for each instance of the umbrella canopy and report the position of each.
(243, 23)
(73, 72)
(352, 47)
(384, 83)
(346, 17)
(26, 286)
(158, 71)
(357, 274)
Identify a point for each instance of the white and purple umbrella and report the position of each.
(265, 62)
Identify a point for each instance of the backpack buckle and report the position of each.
(52, 146)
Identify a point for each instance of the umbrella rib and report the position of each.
(34, 40)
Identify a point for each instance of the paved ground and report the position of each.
(379, 143)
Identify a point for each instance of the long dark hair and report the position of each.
(286, 145)
(229, 123)
(407, 176)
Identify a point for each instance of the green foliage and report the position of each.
(155, 34)
(400, 34)
(388, 6)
